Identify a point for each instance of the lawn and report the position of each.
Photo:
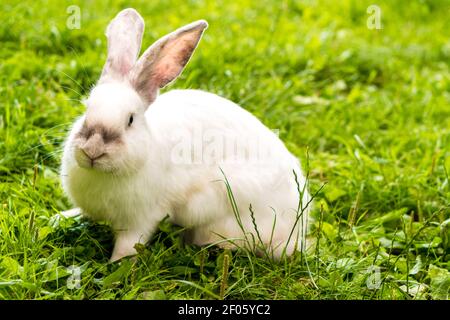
(367, 110)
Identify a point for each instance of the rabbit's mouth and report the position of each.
(97, 163)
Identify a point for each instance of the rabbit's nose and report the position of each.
(94, 148)
(92, 156)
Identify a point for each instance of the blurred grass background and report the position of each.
(371, 106)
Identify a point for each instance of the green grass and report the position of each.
(372, 107)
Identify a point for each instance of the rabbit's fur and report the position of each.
(135, 157)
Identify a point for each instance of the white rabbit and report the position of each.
(135, 157)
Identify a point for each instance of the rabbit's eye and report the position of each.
(130, 120)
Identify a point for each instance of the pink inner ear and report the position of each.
(165, 72)
(173, 57)
(165, 59)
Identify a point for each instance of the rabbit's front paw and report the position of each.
(72, 213)
(124, 245)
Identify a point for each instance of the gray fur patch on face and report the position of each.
(108, 135)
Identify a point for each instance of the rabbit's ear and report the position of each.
(165, 59)
(124, 35)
